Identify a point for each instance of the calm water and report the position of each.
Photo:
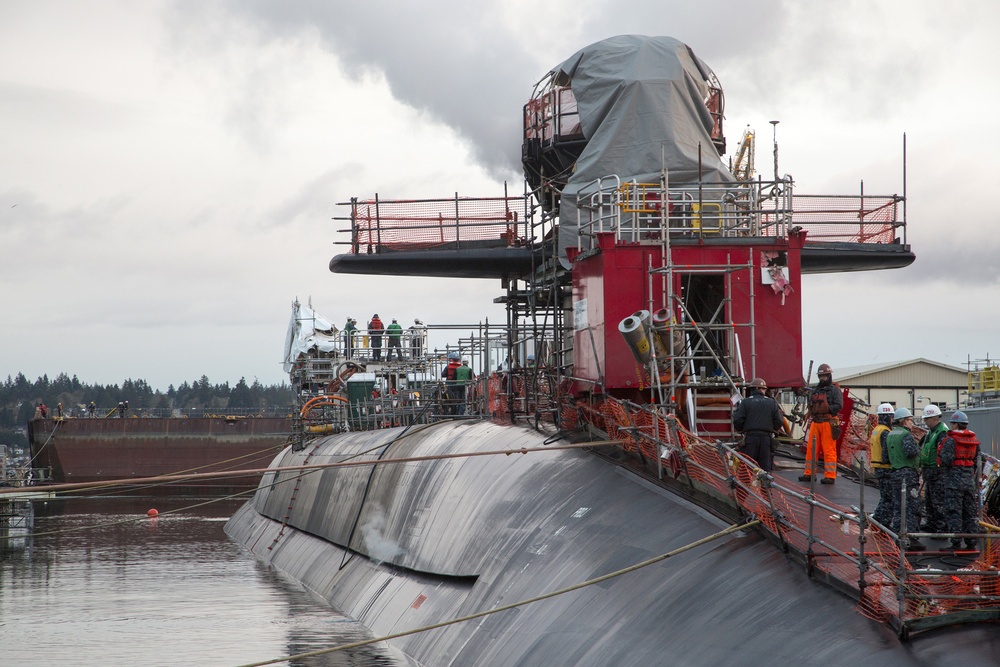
(88, 589)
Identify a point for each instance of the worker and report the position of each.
(59, 410)
(395, 333)
(880, 462)
(463, 376)
(375, 328)
(825, 403)
(758, 417)
(417, 333)
(958, 456)
(904, 458)
(91, 409)
(450, 377)
(933, 493)
(349, 330)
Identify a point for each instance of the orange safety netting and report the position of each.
(829, 537)
(836, 533)
(844, 218)
(386, 225)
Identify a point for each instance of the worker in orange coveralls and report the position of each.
(825, 403)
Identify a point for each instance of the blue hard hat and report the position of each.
(959, 418)
(901, 413)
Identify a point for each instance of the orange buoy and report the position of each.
(152, 512)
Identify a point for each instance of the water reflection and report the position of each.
(99, 583)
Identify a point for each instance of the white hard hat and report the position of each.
(932, 411)
(885, 409)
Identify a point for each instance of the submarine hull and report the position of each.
(400, 546)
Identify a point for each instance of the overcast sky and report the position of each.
(169, 170)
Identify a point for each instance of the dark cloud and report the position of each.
(455, 60)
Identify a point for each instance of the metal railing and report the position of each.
(636, 212)
(387, 225)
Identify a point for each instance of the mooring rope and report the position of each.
(506, 607)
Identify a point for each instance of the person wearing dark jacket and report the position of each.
(758, 417)
(375, 329)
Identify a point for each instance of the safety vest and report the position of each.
(930, 444)
(463, 373)
(966, 448)
(450, 372)
(878, 456)
(819, 403)
(894, 445)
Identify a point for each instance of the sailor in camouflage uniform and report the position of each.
(958, 455)
(934, 492)
(904, 477)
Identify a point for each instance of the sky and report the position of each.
(170, 171)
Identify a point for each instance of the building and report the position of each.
(912, 384)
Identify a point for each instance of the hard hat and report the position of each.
(394, 319)
(824, 369)
(417, 321)
(531, 357)
(885, 409)
(453, 355)
(465, 361)
(931, 411)
(959, 418)
(901, 414)
(758, 383)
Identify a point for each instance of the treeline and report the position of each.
(19, 397)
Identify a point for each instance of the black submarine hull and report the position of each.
(401, 546)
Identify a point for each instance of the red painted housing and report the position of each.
(614, 281)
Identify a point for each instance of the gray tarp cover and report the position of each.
(642, 106)
(308, 330)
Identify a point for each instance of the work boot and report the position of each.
(954, 546)
(805, 478)
(828, 480)
(972, 545)
(916, 545)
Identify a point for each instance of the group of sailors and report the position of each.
(393, 335)
(935, 477)
(944, 463)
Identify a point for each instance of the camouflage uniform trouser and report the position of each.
(933, 500)
(883, 512)
(959, 508)
(910, 478)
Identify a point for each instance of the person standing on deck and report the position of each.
(463, 376)
(825, 403)
(449, 375)
(904, 457)
(395, 335)
(91, 409)
(929, 472)
(349, 330)
(375, 328)
(757, 417)
(880, 462)
(417, 333)
(958, 456)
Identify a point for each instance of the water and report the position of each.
(95, 586)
